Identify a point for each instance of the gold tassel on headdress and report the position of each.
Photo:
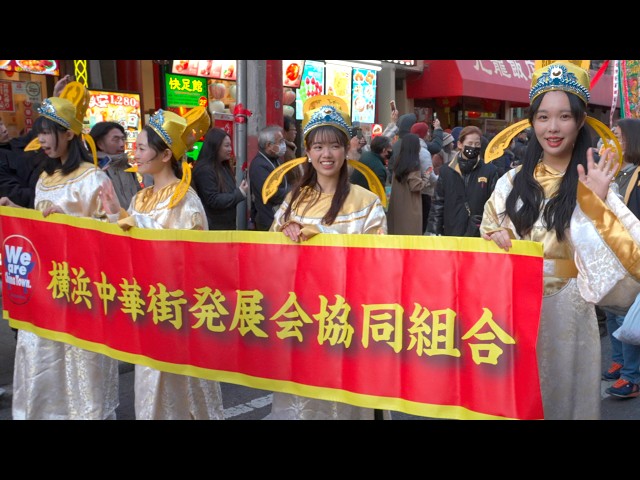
(183, 186)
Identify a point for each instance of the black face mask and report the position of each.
(466, 166)
(471, 152)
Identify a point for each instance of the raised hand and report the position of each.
(109, 198)
(601, 174)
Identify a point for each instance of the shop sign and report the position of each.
(338, 82)
(292, 73)
(119, 107)
(6, 97)
(408, 63)
(39, 67)
(185, 91)
(33, 91)
(28, 115)
(222, 69)
(312, 84)
(364, 95)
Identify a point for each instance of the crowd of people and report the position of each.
(548, 186)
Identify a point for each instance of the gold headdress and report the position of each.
(170, 127)
(198, 122)
(566, 75)
(68, 110)
(319, 111)
(325, 110)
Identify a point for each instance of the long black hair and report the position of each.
(309, 178)
(210, 154)
(556, 214)
(408, 157)
(78, 153)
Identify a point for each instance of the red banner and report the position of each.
(433, 326)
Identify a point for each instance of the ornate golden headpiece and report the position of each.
(566, 75)
(325, 110)
(180, 133)
(68, 110)
(170, 126)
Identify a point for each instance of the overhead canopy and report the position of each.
(491, 79)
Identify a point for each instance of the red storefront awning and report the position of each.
(491, 79)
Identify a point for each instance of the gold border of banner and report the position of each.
(407, 242)
(362, 400)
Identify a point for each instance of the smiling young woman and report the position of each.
(560, 197)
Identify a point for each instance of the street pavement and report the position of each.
(244, 403)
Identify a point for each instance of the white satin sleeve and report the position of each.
(606, 242)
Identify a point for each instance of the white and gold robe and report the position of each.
(597, 263)
(162, 395)
(53, 380)
(362, 212)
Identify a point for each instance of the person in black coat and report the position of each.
(463, 187)
(271, 148)
(215, 181)
(20, 170)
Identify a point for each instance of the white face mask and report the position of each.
(282, 148)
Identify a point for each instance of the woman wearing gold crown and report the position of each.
(324, 201)
(170, 203)
(53, 380)
(559, 196)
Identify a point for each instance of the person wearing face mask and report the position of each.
(271, 148)
(376, 160)
(463, 187)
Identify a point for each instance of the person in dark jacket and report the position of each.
(110, 138)
(20, 170)
(215, 181)
(375, 160)
(463, 188)
(271, 147)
